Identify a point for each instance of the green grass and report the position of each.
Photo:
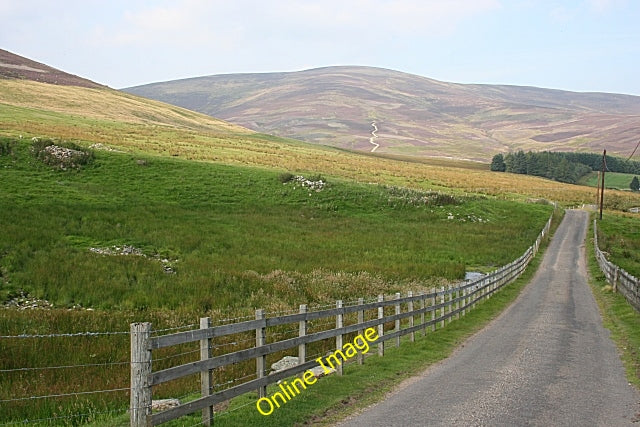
(333, 398)
(228, 228)
(237, 238)
(618, 315)
(137, 125)
(615, 180)
(619, 237)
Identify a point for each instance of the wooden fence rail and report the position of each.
(443, 304)
(628, 285)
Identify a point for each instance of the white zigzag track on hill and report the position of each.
(374, 137)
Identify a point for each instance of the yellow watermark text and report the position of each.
(361, 343)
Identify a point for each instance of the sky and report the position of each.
(577, 45)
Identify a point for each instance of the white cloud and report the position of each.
(231, 22)
(601, 6)
(562, 15)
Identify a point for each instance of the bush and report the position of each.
(285, 177)
(6, 146)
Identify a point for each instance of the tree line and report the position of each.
(560, 166)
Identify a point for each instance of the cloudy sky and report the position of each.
(580, 45)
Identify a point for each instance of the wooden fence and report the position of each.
(408, 315)
(628, 285)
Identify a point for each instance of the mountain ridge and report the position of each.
(13, 66)
(415, 115)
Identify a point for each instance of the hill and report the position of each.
(373, 109)
(148, 234)
(13, 66)
(129, 123)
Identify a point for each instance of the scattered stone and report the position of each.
(470, 276)
(164, 404)
(284, 363)
(117, 250)
(25, 302)
(319, 371)
(61, 157)
(126, 250)
(318, 185)
(102, 147)
(62, 153)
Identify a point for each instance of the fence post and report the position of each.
(360, 331)
(410, 308)
(473, 296)
(442, 309)
(398, 320)
(302, 331)
(339, 324)
(422, 306)
(433, 310)
(457, 301)
(140, 402)
(450, 292)
(616, 273)
(464, 301)
(261, 361)
(206, 377)
(381, 326)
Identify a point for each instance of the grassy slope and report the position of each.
(233, 226)
(618, 315)
(135, 125)
(619, 237)
(615, 180)
(333, 398)
(238, 238)
(171, 207)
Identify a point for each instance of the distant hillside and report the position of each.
(387, 111)
(13, 66)
(109, 119)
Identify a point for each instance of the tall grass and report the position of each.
(619, 237)
(237, 238)
(620, 317)
(226, 227)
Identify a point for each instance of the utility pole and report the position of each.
(597, 202)
(604, 165)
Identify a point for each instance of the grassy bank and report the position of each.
(618, 315)
(333, 398)
(142, 126)
(230, 236)
(204, 239)
(619, 237)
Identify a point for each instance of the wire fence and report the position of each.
(45, 378)
(622, 281)
(271, 337)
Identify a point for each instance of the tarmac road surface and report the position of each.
(546, 361)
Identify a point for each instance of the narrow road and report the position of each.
(546, 361)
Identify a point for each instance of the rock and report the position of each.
(319, 371)
(284, 363)
(164, 404)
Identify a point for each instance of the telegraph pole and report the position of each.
(604, 165)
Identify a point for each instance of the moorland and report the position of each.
(174, 215)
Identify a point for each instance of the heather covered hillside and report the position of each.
(385, 111)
